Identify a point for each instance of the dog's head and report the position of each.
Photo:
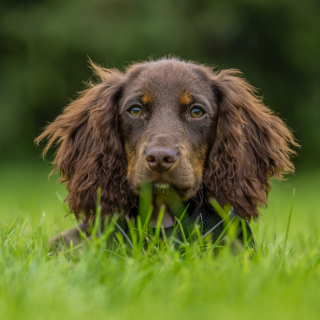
(177, 125)
(167, 116)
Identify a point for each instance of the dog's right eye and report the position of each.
(136, 111)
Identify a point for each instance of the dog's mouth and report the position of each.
(162, 188)
(165, 188)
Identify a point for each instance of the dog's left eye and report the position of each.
(136, 111)
(196, 112)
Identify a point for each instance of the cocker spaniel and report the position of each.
(179, 126)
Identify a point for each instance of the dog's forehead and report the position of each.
(167, 80)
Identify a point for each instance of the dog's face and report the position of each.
(168, 116)
(175, 124)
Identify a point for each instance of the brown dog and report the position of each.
(180, 126)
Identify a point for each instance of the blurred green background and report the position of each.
(45, 45)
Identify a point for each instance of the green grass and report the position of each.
(274, 282)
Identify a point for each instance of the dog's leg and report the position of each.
(71, 235)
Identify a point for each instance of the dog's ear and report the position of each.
(89, 150)
(251, 145)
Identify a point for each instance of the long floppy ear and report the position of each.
(90, 153)
(251, 146)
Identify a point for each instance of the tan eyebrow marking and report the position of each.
(146, 98)
(185, 98)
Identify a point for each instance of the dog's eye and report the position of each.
(136, 111)
(196, 112)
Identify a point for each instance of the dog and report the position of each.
(181, 127)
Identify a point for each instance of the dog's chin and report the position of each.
(187, 194)
(164, 188)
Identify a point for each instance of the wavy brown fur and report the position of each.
(90, 153)
(252, 145)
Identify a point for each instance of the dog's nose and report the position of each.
(160, 159)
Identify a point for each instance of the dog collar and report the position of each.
(208, 221)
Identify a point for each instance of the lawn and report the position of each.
(272, 282)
